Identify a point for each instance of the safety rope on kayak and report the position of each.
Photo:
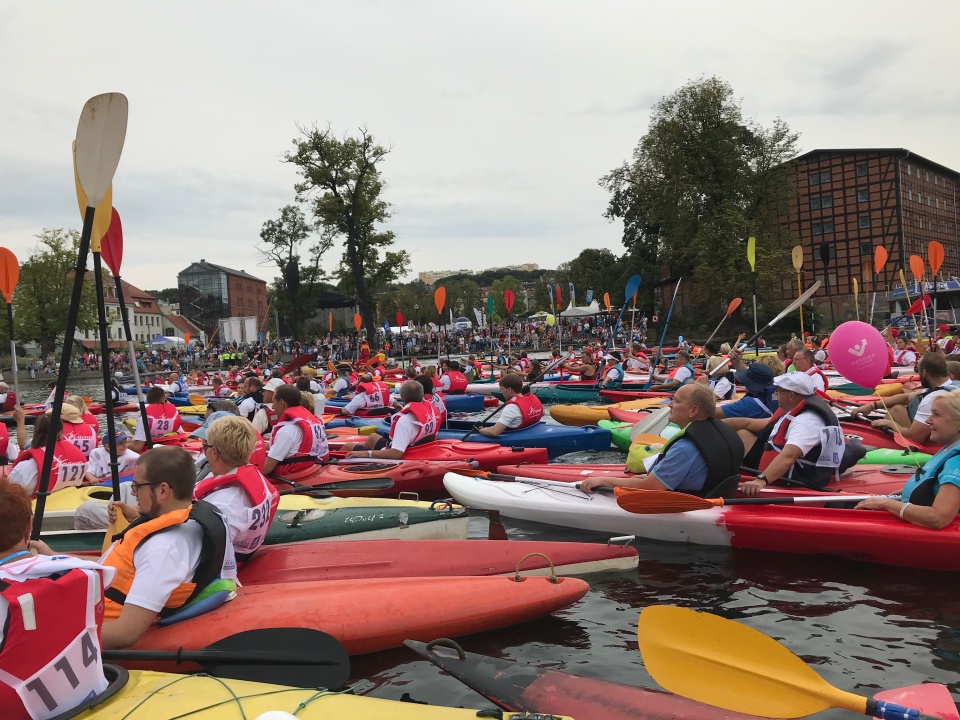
(366, 467)
(553, 570)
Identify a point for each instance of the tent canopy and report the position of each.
(164, 340)
(591, 309)
(540, 315)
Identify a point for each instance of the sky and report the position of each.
(501, 116)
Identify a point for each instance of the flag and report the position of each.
(451, 316)
(478, 316)
(573, 295)
(550, 295)
(490, 307)
(589, 298)
(559, 306)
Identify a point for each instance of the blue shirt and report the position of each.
(682, 468)
(750, 406)
(949, 475)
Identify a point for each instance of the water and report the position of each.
(862, 627)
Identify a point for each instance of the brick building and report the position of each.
(209, 292)
(143, 313)
(849, 201)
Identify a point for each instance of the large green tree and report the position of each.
(298, 285)
(342, 181)
(497, 288)
(41, 301)
(700, 182)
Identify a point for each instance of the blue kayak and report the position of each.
(555, 439)
(469, 402)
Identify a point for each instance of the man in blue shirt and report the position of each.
(758, 402)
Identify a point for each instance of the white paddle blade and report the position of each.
(100, 135)
(653, 424)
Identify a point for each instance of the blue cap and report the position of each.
(201, 432)
(120, 435)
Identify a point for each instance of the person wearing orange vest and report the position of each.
(803, 362)
(519, 411)
(298, 441)
(415, 424)
(50, 616)
(162, 415)
(69, 467)
(371, 395)
(171, 551)
(76, 430)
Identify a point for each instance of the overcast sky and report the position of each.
(501, 115)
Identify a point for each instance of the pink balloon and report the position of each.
(859, 353)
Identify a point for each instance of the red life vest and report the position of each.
(9, 402)
(221, 392)
(817, 371)
(68, 469)
(378, 394)
(524, 364)
(426, 417)
(259, 455)
(264, 500)
(50, 660)
(897, 355)
(81, 435)
(272, 417)
(436, 399)
(313, 444)
(458, 382)
(4, 439)
(164, 419)
(329, 377)
(91, 420)
(531, 409)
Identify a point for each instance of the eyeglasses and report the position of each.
(135, 487)
(206, 446)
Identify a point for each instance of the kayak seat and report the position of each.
(210, 598)
(726, 489)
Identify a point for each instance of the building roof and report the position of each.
(140, 300)
(881, 151)
(183, 324)
(223, 269)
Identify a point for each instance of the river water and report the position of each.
(862, 627)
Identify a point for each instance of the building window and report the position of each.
(862, 170)
(864, 221)
(821, 201)
(819, 178)
(909, 194)
(866, 248)
(822, 228)
(928, 199)
(863, 195)
(909, 169)
(926, 175)
(936, 202)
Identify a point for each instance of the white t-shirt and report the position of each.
(247, 406)
(683, 374)
(613, 374)
(25, 474)
(234, 505)
(445, 383)
(405, 434)
(315, 386)
(926, 405)
(721, 387)
(358, 402)
(260, 421)
(340, 384)
(903, 358)
(803, 431)
(635, 363)
(165, 561)
(100, 461)
(286, 442)
(511, 417)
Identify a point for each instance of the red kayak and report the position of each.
(352, 560)
(407, 475)
(516, 687)
(485, 456)
(878, 437)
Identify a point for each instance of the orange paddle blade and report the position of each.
(879, 258)
(357, 321)
(606, 301)
(9, 273)
(734, 304)
(652, 502)
(867, 268)
(330, 321)
(935, 256)
(440, 298)
(916, 267)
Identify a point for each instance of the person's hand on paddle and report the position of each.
(751, 488)
(587, 485)
(736, 358)
(858, 410)
(39, 547)
(130, 513)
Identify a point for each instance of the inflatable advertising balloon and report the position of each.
(859, 353)
(551, 320)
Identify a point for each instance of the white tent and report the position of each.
(164, 340)
(591, 309)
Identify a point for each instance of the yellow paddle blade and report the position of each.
(197, 400)
(367, 430)
(117, 526)
(104, 212)
(752, 253)
(723, 663)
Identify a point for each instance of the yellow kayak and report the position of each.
(162, 696)
(592, 414)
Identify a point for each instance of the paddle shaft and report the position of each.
(220, 657)
(43, 482)
(753, 281)
(500, 407)
(626, 299)
(663, 336)
(715, 331)
(145, 421)
(105, 367)
(13, 355)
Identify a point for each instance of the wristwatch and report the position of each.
(763, 477)
(369, 453)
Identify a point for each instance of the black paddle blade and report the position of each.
(298, 650)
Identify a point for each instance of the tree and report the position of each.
(700, 182)
(508, 282)
(170, 296)
(462, 297)
(42, 299)
(298, 285)
(343, 181)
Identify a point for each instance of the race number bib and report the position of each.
(161, 426)
(318, 447)
(831, 446)
(69, 475)
(67, 680)
(257, 531)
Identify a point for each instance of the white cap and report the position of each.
(608, 356)
(273, 384)
(797, 382)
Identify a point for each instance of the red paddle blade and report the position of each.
(399, 319)
(919, 305)
(879, 258)
(508, 299)
(557, 289)
(440, 298)
(654, 502)
(734, 304)
(9, 273)
(111, 246)
(916, 267)
(935, 256)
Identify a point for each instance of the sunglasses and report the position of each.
(135, 487)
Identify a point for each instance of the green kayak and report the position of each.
(619, 433)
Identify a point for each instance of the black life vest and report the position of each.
(721, 449)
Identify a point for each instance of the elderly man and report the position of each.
(803, 361)
(682, 373)
(804, 432)
(416, 423)
(703, 460)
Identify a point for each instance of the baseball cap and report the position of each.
(120, 436)
(201, 432)
(944, 328)
(273, 384)
(68, 413)
(797, 382)
(756, 378)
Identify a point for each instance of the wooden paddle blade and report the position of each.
(440, 298)
(102, 218)
(112, 243)
(734, 304)
(652, 502)
(303, 647)
(101, 132)
(9, 273)
(879, 258)
(935, 256)
(916, 267)
(723, 663)
(797, 256)
(114, 528)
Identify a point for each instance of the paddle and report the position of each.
(856, 301)
(652, 502)
(906, 294)
(296, 657)
(797, 257)
(633, 284)
(657, 419)
(663, 335)
(296, 364)
(725, 664)
(734, 304)
(879, 260)
(786, 311)
(439, 298)
(100, 134)
(752, 259)
(935, 255)
(9, 276)
(917, 267)
(525, 389)
(198, 400)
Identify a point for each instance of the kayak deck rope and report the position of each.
(238, 699)
(553, 570)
